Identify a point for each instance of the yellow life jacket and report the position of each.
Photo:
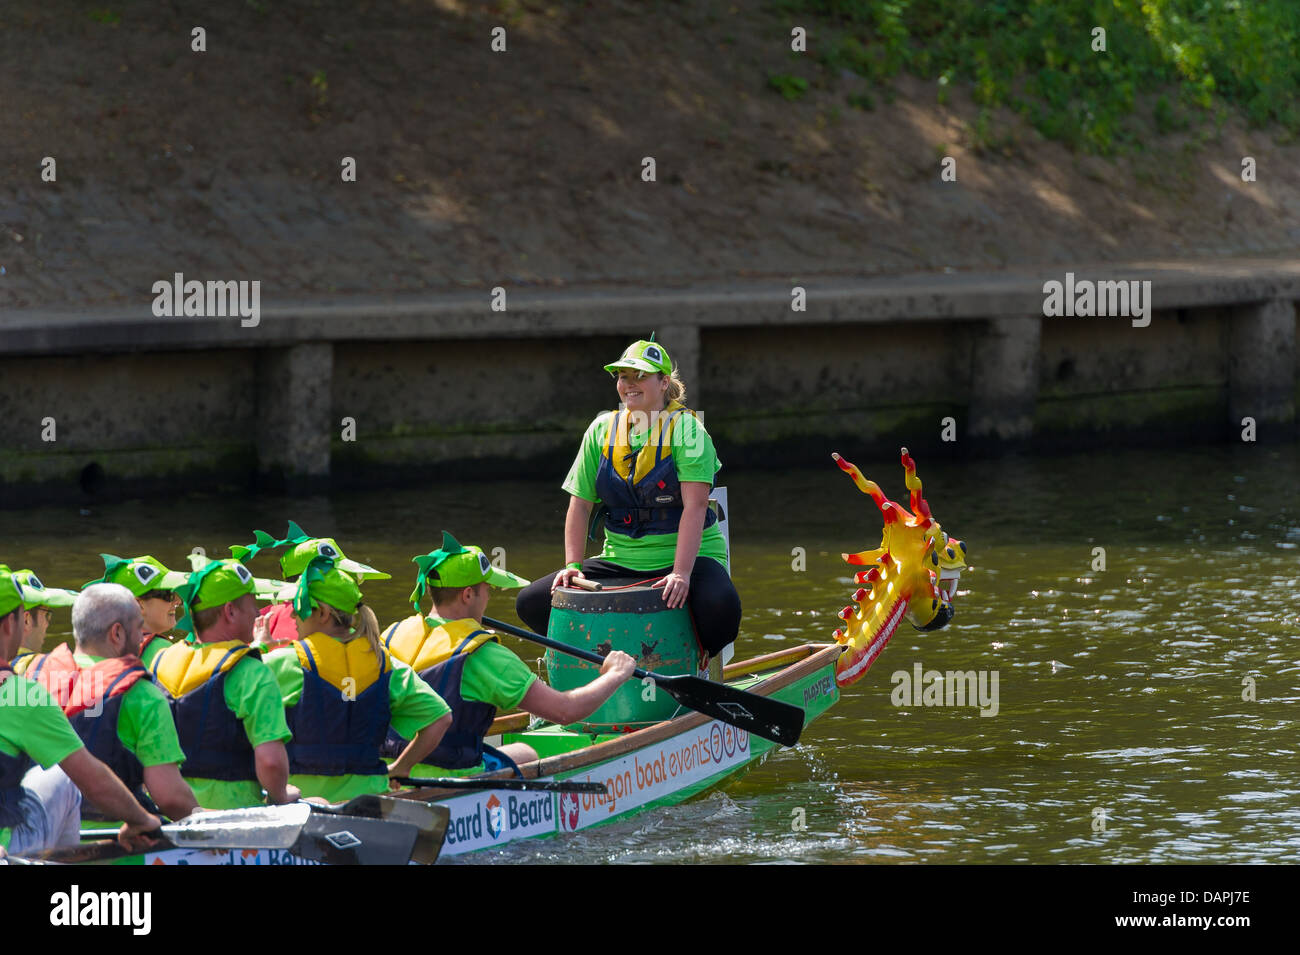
(184, 667)
(417, 642)
(338, 661)
(634, 466)
(20, 661)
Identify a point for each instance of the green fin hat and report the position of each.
(265, 587)
(323, 581)
(11, 592)
(36, 594)
(139, 574)
(459, 566)
(303, 550)
(218, 582)
(644, 355)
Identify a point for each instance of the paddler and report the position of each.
(40, 805)
(107, 695)
(39, 602)
(650, 466)
(469, 667)
(154, 587)
(224, 699)
(342, 692)
(277, 626)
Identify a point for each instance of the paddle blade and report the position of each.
(260, 827)
(353, 840)
(771, 719)
(431, 819)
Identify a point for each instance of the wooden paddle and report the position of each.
(771, 719)
(260, 827)
(520, 785)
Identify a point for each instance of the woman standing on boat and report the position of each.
(650, 467)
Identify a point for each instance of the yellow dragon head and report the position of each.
(912, 573)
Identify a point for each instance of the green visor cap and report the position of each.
(11, 592)
(36, 594)
(648, 356)
(322, 582)
(265, 588)
(459, 566)
(219, 582)
(139, 574)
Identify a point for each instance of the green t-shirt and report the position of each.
(494, 674)
(156, 646)
(412, 706)
(32, 723)
(144, 723)
(253, 696)
(696, 460)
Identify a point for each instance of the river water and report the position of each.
(1146, 712)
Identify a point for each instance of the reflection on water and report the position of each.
(1125, 730)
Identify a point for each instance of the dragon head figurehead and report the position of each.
(912, 573)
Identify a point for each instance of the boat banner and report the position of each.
(482, 820)
(654, 772)
(225, 857)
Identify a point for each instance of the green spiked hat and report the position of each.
(11, 591)
(303, 549)
(139, 574)
(219, 582)
(36, 594)
(265, 588)
(645, 355)
(459, 566)
(322, 582)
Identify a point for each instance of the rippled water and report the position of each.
(1120, 690)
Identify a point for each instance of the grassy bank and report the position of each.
(1044, 59)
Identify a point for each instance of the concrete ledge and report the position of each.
(541, 313)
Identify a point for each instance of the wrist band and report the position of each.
(573, 565)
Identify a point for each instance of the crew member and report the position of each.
(39, 602)
(650, 466)
(277, 627)
(40, 805)
(154, 586)
(469, 667)
(107, 695)
(224, 698)
(342, 692)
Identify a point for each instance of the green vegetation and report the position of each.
(1038, 57)
(791, 87)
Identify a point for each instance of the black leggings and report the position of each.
(713, 601)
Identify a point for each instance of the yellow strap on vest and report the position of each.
(421, 646)
(184, 667)
(645, 459)
(337, 661)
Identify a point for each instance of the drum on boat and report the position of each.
(635, 620)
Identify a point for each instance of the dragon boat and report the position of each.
(912, 575)
(646, 749)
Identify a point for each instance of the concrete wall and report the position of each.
(448, 388)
